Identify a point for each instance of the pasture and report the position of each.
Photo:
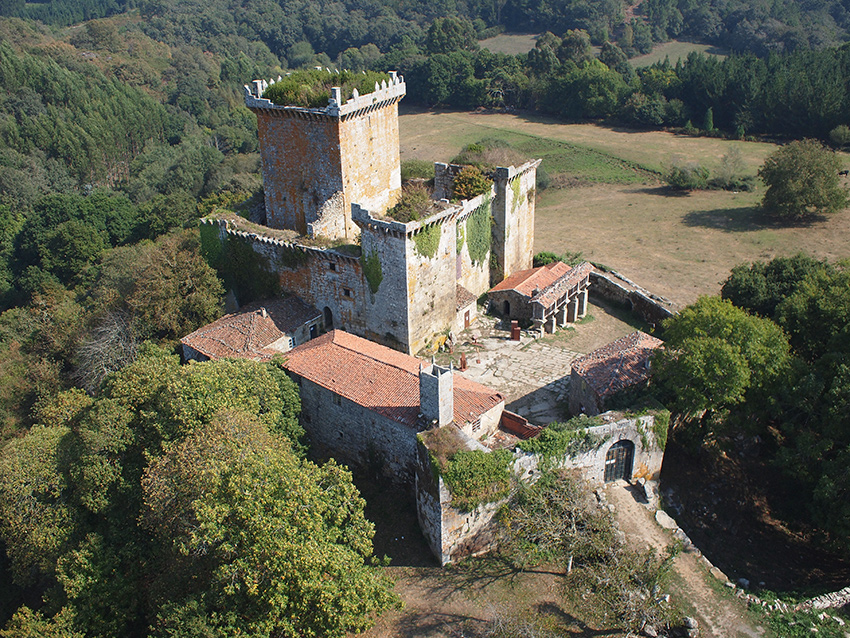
(618, 212)
(675, 50)
(510, 43)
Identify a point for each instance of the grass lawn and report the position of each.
(677, 246)
(510, 43)
(676, 50)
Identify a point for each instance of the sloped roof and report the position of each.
(618, 365)
(249, 332)
(379, 378)
(545, 283)
(463, 298)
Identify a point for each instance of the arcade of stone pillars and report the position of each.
(569, 311)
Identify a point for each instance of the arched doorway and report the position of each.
(619, 461)
(507, 308)
(329, 319)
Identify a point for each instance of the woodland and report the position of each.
(122, 123)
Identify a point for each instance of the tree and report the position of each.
(802, 181)
(276, 546)
(715, 354)
(575, 46)
(446, 35)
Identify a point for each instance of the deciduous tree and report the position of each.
(802, 181)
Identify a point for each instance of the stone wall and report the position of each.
(356, 435)
(513, 219)
(616, 288)
(318, 162)
(475, 277)
(453, 534)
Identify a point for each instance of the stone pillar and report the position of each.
(436, 394)
(549, 326)
(572, 310)
(582, 303)
(561, 314)
(537, 326)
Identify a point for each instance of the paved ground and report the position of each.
(533, 373)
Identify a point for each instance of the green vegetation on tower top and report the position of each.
(312, 88)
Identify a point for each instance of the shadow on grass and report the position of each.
(742, 220)
(575, 625)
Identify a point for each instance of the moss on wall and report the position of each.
(211, 245)
(427, 241)
(292, 257)
(460, 237)
(515, 188)
(372, 269)
(479, 235)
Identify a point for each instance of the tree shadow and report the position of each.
(576, 626)
(742, 220)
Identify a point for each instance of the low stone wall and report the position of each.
(453, 534)
(613, 287)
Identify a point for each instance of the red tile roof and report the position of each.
(463, 298)
(618, 365)
(379, 378)
(545, 283)
(249, 332)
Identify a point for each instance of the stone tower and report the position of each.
(318, 162)
(436, 394)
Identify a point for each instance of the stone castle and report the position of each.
(330, 174)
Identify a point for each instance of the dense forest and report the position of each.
(123, 123)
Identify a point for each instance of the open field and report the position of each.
(674, 51)
(510, 43)
(678, 246)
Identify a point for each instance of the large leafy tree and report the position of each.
(716, 354)
(802, 181)
(282, 545)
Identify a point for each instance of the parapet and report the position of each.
(385, 94)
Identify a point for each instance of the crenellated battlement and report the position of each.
(385, 94)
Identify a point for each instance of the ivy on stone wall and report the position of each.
(460, 237)
(476, 477)
(292, 257)
(372, 269)
(515, 188)
(479, 236)
(211, 244)
(243, 270)
(247, 273)
(428, 240)
(558, 440)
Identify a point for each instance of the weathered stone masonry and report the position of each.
(318, 162)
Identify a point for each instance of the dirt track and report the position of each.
(719, 616)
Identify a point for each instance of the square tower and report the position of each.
(317, 162)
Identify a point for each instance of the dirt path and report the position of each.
(719, 616)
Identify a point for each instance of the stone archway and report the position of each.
(329, 318)
(619, 461)
(506, 308)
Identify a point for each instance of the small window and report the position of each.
(476, 425)
(346, 292)
(332, 266)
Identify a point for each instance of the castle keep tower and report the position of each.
(319, 161)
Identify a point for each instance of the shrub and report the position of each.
(414, 202)
(312, 89)
(470, 182)
(416, 169)
(687, 178)
(478, 477)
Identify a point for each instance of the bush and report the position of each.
(545, 258)
(416, 169)
(478, 477)
(312, 89)
(414, 202)
(470, 182)
(687, 178)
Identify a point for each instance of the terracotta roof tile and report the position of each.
(547, 281)
(379, 378)
(618, 365)
(463, 298)
(251, 331)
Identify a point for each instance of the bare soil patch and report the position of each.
(510, 43)
(719, 615)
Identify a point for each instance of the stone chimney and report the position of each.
(436, 394)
